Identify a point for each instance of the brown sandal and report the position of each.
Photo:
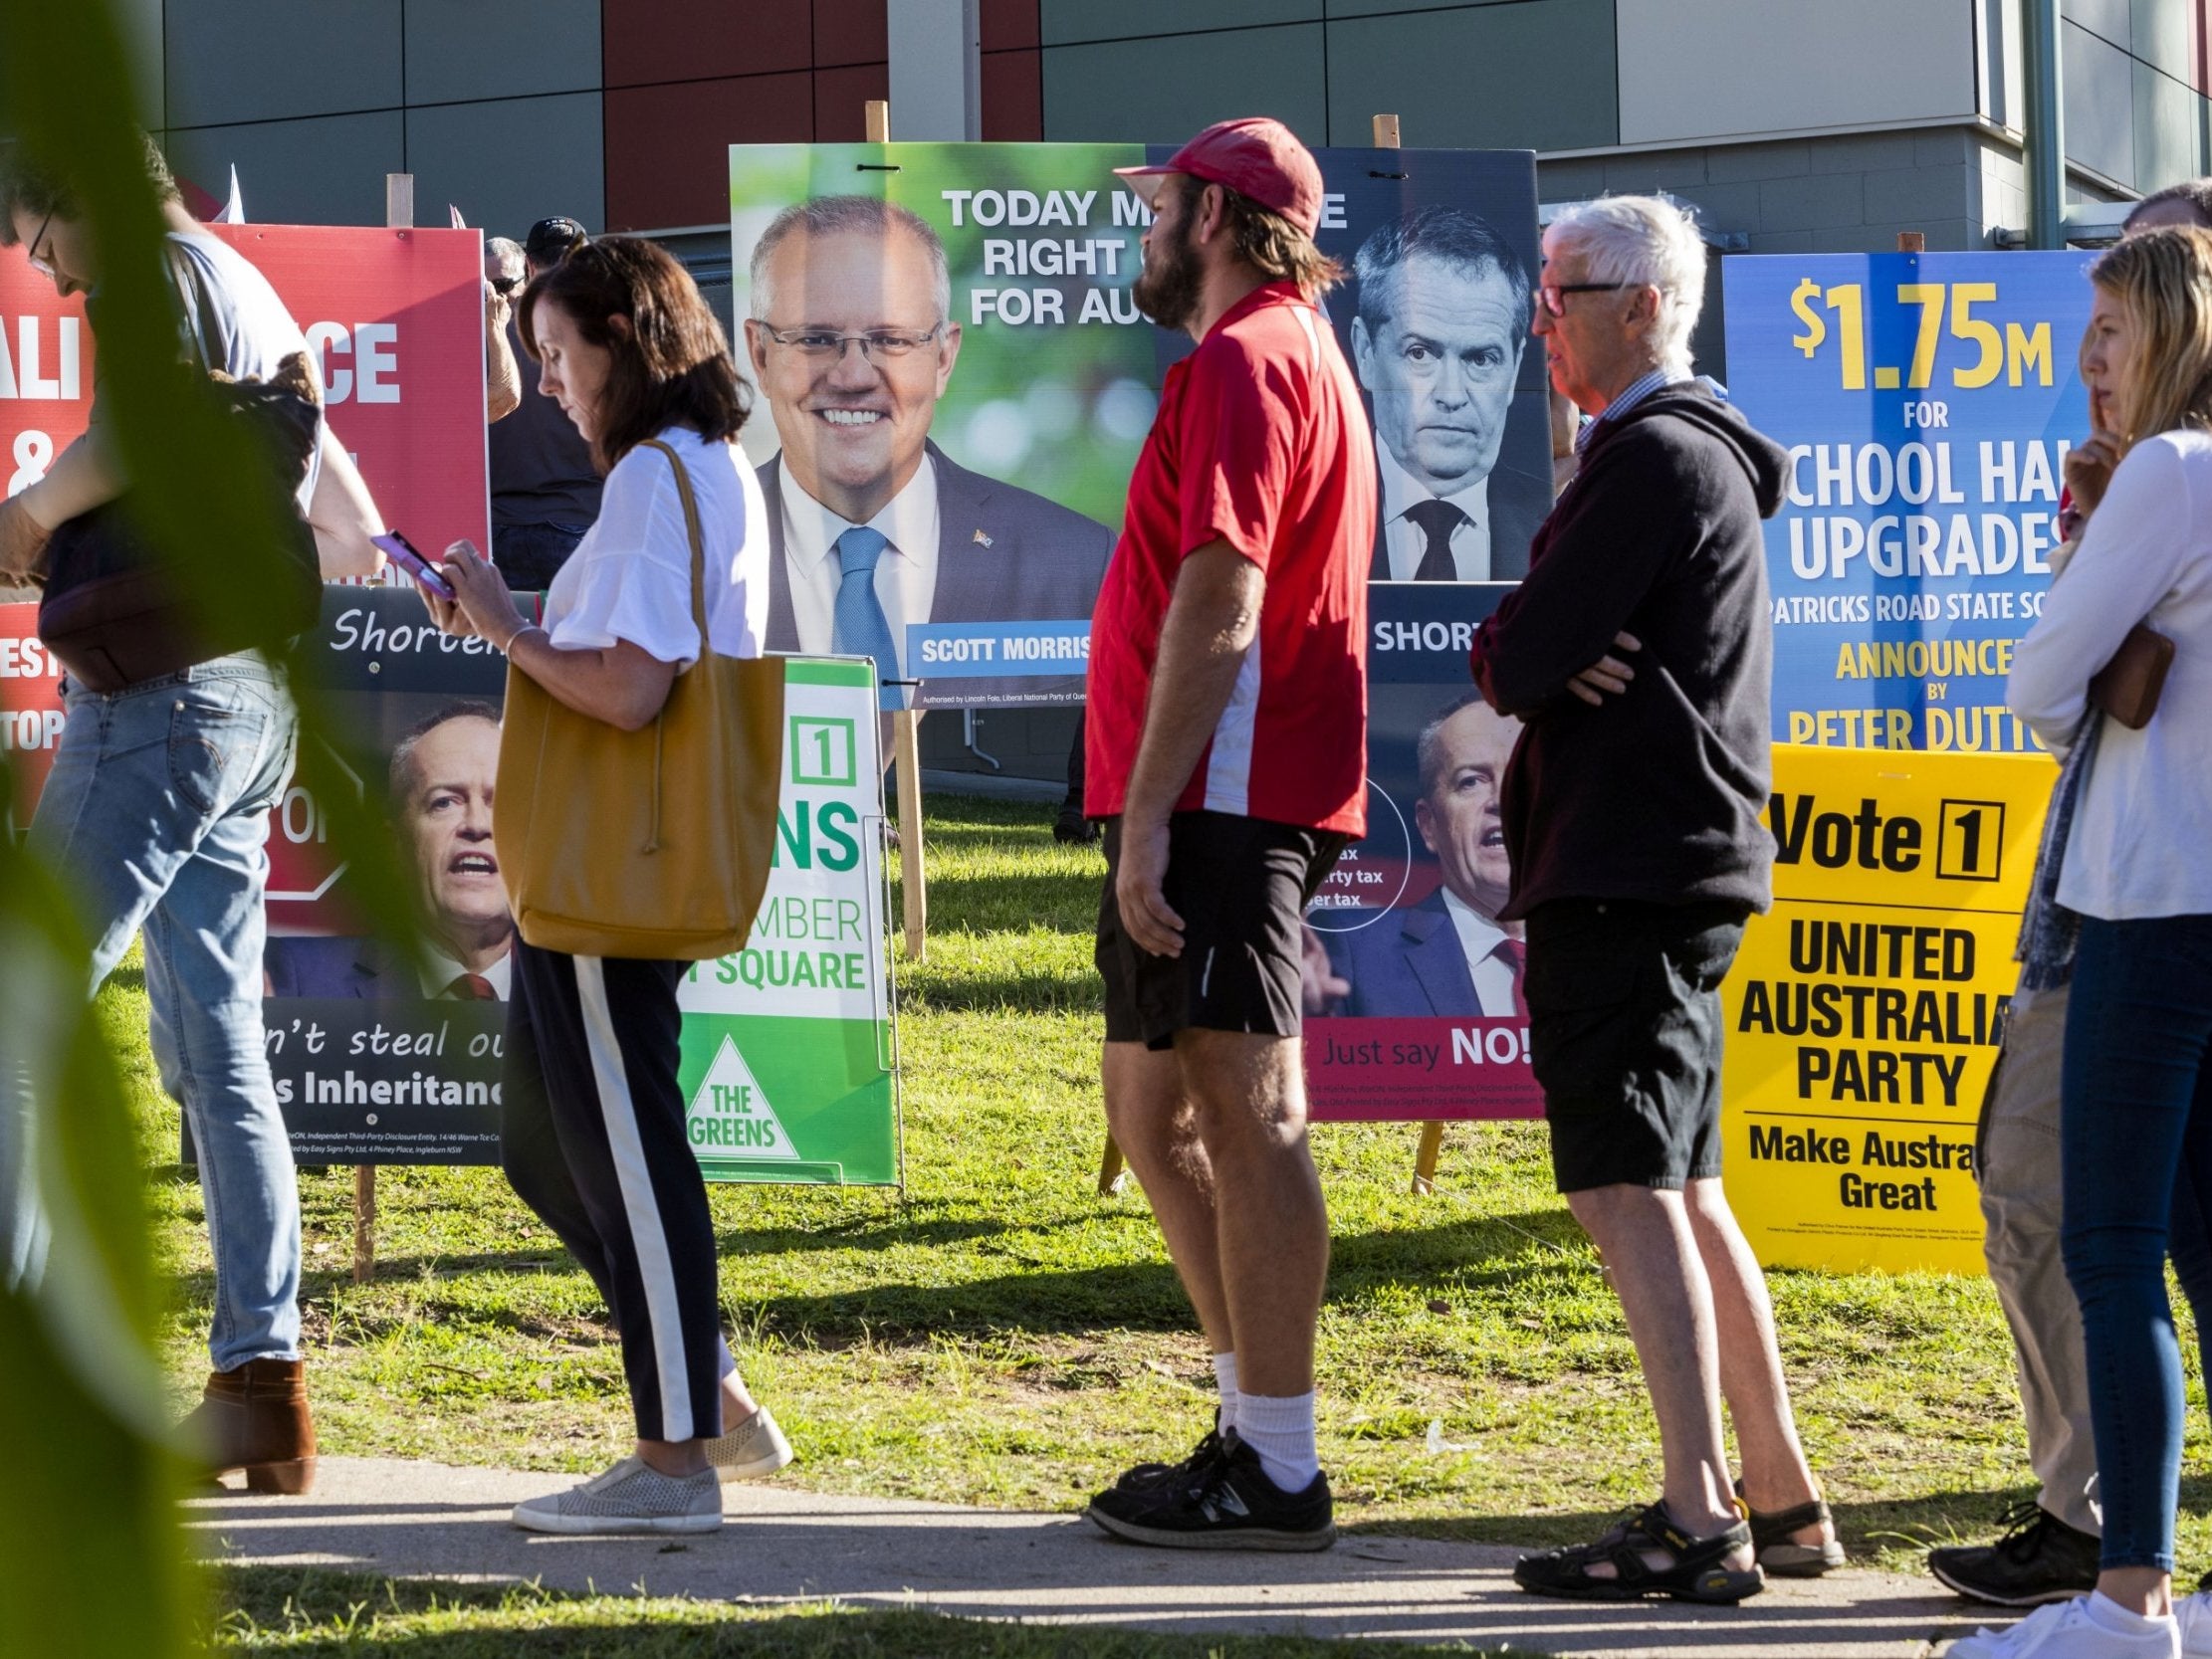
(1780, 1554)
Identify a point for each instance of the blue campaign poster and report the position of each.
(1927, 402)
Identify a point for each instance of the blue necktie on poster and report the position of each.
(858, 627)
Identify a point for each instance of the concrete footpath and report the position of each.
(781, 1544)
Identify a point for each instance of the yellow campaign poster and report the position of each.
(1864, 1010)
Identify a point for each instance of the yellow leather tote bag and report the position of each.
(652, 843)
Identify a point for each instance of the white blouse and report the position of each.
(630, 577)
(2141, 842)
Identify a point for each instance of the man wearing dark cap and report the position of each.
(544, 488)
(1227, 749)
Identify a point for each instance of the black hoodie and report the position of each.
(1656, 794)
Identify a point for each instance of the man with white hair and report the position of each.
(1632, 823)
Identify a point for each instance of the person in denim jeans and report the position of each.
(155, 820)
(2135, 1109)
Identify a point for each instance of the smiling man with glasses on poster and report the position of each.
(874, 529)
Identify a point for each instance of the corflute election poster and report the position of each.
(1928, 402)
(387, 1045)
(394, 318)
(1412, 982)
(1864, 1011)
(955, 383)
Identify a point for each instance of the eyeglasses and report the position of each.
(506, 285)
(877, 345)
(43, 267)
(1554, 293)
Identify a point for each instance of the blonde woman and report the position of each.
(2136, 1079)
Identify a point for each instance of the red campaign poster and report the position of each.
(396, 320)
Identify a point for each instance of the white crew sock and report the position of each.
(2107, 1614)
(1280, 1429)
(1224, 1384)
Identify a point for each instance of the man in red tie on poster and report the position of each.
(441, 784)
(1227, 749)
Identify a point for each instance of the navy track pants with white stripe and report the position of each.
(591, 1134)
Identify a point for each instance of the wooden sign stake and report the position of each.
(906, 723)
(400, 214)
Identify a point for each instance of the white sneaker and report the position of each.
(2193, 1613)
(754, 1448)
(628, 1498)
(2064, 1630)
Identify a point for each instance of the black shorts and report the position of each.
(1242, 886)
(1624, 1035)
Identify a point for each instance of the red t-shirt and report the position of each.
(1259, 440)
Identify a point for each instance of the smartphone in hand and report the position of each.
(402, 552)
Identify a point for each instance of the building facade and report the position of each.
(1792, 126)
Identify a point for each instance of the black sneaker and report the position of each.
(1146, 1475)
(1232, 1505)
(2039, 1559)
(1072, 827)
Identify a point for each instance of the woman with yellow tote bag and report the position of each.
(634, 821)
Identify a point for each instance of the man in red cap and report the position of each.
(1227, 750)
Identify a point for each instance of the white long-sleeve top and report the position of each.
(2141, 842)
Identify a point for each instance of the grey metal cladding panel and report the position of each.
(2108, 18)
(2169, 144)
(2161, 36)
(509, 164)
(1072, 22)
(458, 50)
(2099, 105)
(233, 61)
(1536, 76)
(1140, 92)
(324, 170)
(140, 24)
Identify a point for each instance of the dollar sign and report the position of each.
(1815, 329)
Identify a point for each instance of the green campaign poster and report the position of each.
(787, 1062)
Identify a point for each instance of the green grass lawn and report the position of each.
(1003, 1336)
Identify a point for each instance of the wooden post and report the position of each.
(1431, 1135)
(1424, 1160)
(906, 741)
(1913, 242)
(906, 723)
(400, 214)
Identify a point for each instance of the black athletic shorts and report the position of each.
(1242, 886)
(1624, 1035)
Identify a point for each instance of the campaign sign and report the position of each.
(952, 362)
(1412, 983)
(1864, 1011)
(394, 319)
(1927, 402)
(387, 1045)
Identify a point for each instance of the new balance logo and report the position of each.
(1228, 1502)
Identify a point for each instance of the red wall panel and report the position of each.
(647, 41)
(1013, 97)
(1010, 24)
(851, 31)
(667, 161)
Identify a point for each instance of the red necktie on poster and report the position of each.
(474, 987)
(1514, 955)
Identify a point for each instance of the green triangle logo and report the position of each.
(730, 1115)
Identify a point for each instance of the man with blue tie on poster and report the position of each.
(873, 527)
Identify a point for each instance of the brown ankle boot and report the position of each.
(254, 1417)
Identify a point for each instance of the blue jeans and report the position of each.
(2135, 1122)
(155, 817)
(529, 555)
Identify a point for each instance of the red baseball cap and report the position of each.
(1256, 157)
